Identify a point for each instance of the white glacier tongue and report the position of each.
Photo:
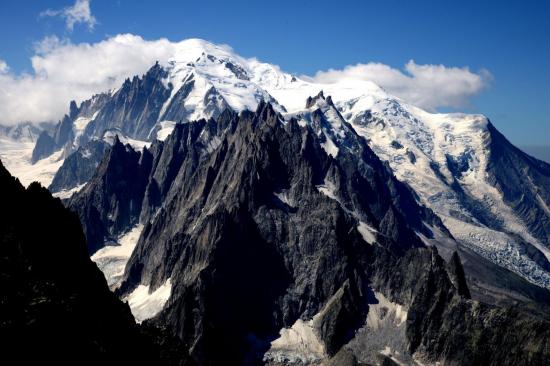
(112, 259)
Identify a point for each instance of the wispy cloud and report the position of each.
(427, 86)
(80, 12)
(48, 44)
(4, 68)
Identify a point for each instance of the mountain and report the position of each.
(262, 217)
(257, 243)
(465, 170)
(69, 131)
(23, 132)
(193, 85)
(77, 169)
(456, 164)
(201, 80)
(56, 306)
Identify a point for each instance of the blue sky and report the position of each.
(510, 39)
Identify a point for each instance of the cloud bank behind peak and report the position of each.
(63, 71)
(426, 86)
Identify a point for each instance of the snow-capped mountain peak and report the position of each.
(445, 158)
(448, 159)
(213, 66)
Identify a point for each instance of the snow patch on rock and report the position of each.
(145, 304)
(367, 232)
(284, 197)
(330, 147)
(328, 189)
(138, 145)
(67, 193)
(166, 128)
(112, 259)
(79, 125)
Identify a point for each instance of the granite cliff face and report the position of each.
(277, 250)
(444, 325)
(134, 108)
(265, 209)
(524, 184)
(68, 133)
(111, 202)
(78, 168)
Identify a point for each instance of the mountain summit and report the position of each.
(262, 217)
(458, 165)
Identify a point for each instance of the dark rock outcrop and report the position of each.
(134, 109)
(524, 183)
(55, 306)
(444, 326)
(45, 146)
(78, 168)
(63, 132)
(456, 273)
(111, 202)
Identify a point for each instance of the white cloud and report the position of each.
(48, 44)
(427, 86)
(63, 71)
(4, 68)
(78, 13)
